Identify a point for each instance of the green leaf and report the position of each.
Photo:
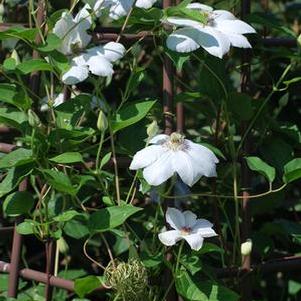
(17, 203)
(67, 158)
(131, 114)
(27, 227)
(17, 157)
(52, 43)
(77, 227)
(14, 95)
(10, 64)
(66, 216)
(194, 289)
(13, 118)
(14, 176)
(105, 160)
(59, 181)
(34, 65)
(256, 164)
(19, 33)
(184, 12)
(292, 170)
(177, 58)
(108, 218)
(86, 285)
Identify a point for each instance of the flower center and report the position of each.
(186, 230)
(176, 142)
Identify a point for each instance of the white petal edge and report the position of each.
(169, 238)
(146, 156)
(160, 171)
(175, 218)
(183, 40)
(159, 139)
(183, 165)
(195, 241)
(75, 75)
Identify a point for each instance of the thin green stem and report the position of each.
(179, 257)
(97, 164)
(251, 124)
(115, 165)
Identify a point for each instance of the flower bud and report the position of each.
(14, 55)
(102, 121)
(152, 129)
(246, 247)
(62, 246)
(33, 119)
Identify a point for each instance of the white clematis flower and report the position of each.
(73, 31)
(97, 60)
(186, 226)
(222, 30)
(120, 8)
(173, 154)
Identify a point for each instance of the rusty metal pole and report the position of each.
(13, 278)
(35, 76)
(246, 283)
(168, 94)
(168, 73)
(50, 254)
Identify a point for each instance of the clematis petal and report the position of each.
(238, 40)
(83, 18)
(175, 218)
(62, 30)
(204, 160)
(183, 165)
(208, 41)
(99, 65)
(169, 238)
(182, 22)
(159, 139)
(190, 219)
(204, 228)
(146, 156)
(146, 4)
(75, 74)
(234, 26)
(113, 51)
(195, 241)
(220, 15)
(206, 232)
(161, 170)
(183, 40)
(120, 8)
(199, 6)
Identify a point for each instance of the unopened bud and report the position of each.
(102, 121)
(152, 129)
(62, 246)
(33, 119)
(246, 247)
(14, 55)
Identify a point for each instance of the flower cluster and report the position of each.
(97, 60)
(220, 30)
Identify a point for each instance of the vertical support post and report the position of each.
(167, 87)
(179, 108)
(13, 278)
(246, 285)
(50, 254)
(35, 76)
(168, 95)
